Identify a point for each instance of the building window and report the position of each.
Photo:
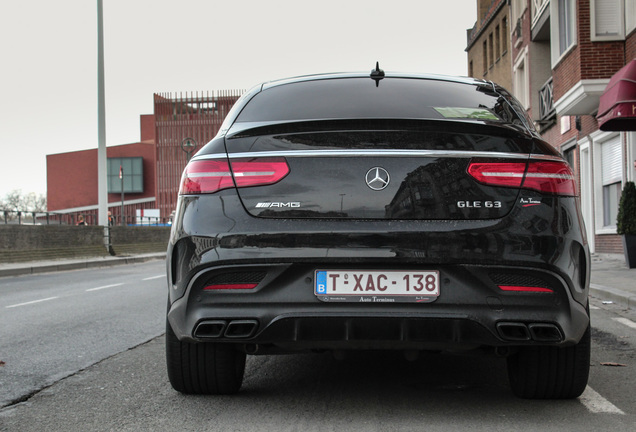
(497, 43)
(485, 50)
(563, 27)
(569, 156)
(520, 80)
(504, 35)
(612, 176)
(569, 150)
(133, 174)
(611, 196)
(491, 51)
(566, 25)
(518, 7)
(470, 69)
(606, 20)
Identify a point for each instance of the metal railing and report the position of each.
(537, 7)
(19, 217)
(546, 102)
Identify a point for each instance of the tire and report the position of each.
(546, 372)
(203, 368)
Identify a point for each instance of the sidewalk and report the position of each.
(34, 267)
(611, 279)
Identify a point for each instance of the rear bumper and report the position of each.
(471, 311)
(282, 311)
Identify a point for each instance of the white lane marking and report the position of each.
(627, 322)
(154, 277)
(595, 403)
(104, 287)
(31, 302)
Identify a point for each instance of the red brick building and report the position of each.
(179, 127)
(590, 41)
(563, 56)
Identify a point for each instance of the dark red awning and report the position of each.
(617, 107)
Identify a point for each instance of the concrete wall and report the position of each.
(28, 242)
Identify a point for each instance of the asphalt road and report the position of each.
(53, 325)
(129, 391)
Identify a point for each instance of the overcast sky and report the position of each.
(48, 54)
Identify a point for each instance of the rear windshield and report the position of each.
(357, 98)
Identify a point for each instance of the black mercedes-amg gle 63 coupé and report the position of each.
(379, 211)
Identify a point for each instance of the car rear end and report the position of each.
(408, 213)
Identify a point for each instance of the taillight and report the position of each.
(259, 172)
(209, 176)
(555, 178)
(550, 177)
(205, 176)
(498, 173)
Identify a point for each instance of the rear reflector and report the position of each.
(231, 286)
(209, 176)
(550, 177)
(524, 289)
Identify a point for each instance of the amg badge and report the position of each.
(278, 205)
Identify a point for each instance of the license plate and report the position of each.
(376, 286)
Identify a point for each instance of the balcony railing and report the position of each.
(547, 112)
(537, 9)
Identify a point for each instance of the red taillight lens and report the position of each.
(498, 173)
(515, 288)
(550, 177)
(206, 176)
(231, 286)
(258, 172)
(209, 176)
(555, 178)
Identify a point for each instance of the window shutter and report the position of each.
(611, 160)
(607, 18)
(630, 15)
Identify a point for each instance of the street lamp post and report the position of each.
(102, 189)
(121, 177)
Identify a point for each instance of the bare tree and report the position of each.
(34, 202)
(18, 201)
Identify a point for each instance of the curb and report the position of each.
(618, 296)
(78, 265)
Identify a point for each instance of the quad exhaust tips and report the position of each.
(231, 329)
(538, 332)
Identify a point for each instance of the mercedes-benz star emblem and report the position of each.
(377, 178)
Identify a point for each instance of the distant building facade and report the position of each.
(181, 125)
(488, 45)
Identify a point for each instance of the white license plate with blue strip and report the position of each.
(377, 286)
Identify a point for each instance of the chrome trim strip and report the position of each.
(379, 153)
(210, 156)
(547, 157)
